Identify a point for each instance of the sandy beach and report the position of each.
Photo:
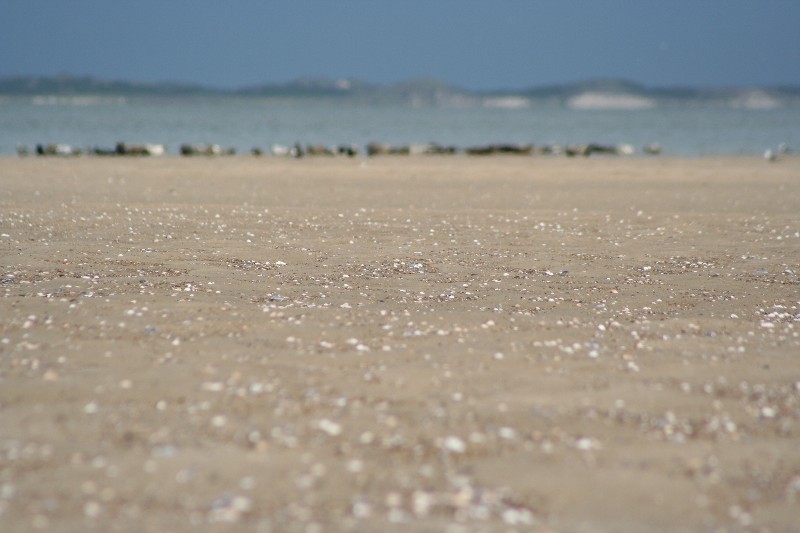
(428, 344)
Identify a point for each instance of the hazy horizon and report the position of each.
(321, 78)
(509, 44)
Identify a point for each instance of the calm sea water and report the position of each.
(244, 124)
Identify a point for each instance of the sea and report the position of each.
(247, 123)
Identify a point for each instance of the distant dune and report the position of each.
(591, 100)
(506, 102)
(755, 100)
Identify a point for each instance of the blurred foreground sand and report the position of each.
(410, 344)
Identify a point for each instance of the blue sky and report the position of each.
(470, 44)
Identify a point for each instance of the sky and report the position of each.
(491, 44)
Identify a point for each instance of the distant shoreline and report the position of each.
(591, 94)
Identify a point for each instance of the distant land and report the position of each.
(592, 94)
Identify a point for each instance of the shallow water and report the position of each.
(246, 123)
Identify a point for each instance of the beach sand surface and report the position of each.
(399, 344)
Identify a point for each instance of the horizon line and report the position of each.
(338, 79)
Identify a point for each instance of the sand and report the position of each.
(400, 344)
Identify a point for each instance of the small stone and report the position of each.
(454, 444)
(92, 509)
(331, 428)
(7, 491)
(229, 509)
(507, 433)
(421, 502)
(213, 386)
(514, 517)
(362, 509)
(586, 444)
(355, 466)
